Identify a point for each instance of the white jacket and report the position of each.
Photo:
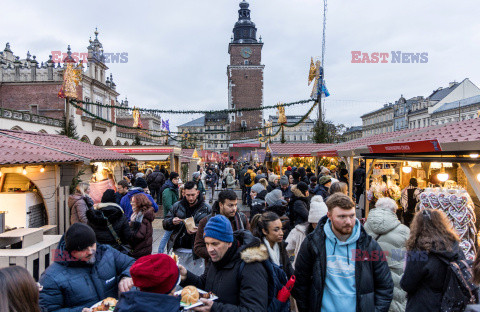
(294, 240)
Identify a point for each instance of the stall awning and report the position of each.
(295, 149)
(23, 147)
(151, 157)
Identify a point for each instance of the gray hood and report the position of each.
(380, 221)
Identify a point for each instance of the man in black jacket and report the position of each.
(155, 182)
(237, 289)
(359, 181)
(183, 236)
(340, 267)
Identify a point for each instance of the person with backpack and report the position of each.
(230, 179)
(249, 181)
(340, 267)
(359, 176)
(211, 181)
(197, 178)
(268, 227)
(226, 205)
(155, 181)
(432, 248)
(241, 174)
(236, 274)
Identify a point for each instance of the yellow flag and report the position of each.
(311, 74)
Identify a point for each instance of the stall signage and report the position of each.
(143, 150)
(328, 153)
(301, 155)
(246, 145)
(407, 147)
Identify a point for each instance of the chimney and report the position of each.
(451, 84)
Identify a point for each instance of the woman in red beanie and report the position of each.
(141, 224)
(156, 277)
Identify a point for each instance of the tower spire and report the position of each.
(244, 30)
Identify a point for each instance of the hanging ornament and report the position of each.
(282, 119)
(72, 76)
(137, 123)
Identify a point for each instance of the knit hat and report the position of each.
(79, 237)
(140, 182)
(219, 227)
(195, 175)
(289, 168)
(273, 197)
(332, 167)
(157, 167)
(139, 175)
(324, 180)
(343, 172)
(318, 209)
(155, 273)
(303, 187)
(296, 175)
(257, 188)
(109, 196)
(284, 180)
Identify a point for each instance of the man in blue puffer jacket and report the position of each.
(83, 273)
(141, 187)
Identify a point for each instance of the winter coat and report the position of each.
(424, 278)
(114, 214)
(384, 226)
(181, 209)
(285, 263)
(70, 285)
(238, 222)
(127, 207)
(271, 186)
(301, 207)
(140, 301)
(241, 174)
(258, 204)
(295, 239)
(238, 290)
(279, 207)
(142, 236)
(155, 180)
(286, 193)
(201, 187)
(230, 181)
(118, 198)
(322, 191)
(374, 285)
(211, 179)
(252, 176)
(169, 196)
(79, 205)
(359, 177)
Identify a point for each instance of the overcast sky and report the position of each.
(177, 50)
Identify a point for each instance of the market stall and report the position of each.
(151, 156)
(293, 154)
(445, 161)
(189, 161)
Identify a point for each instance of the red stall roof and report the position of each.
(295, 149)
(22, 147)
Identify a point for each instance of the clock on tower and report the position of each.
(245, 76)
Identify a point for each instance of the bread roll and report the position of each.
(190, 295)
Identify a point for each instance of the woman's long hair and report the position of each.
(431, 230)
(18, 291)
(261, 221)
(142, 201)
(82, 188)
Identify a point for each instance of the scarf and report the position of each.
(137, 216)
(273, 253)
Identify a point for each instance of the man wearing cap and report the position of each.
(83, 273)
(248, 186)
(323, 186)
(257, 193)
(197, 178)
(285, 188)
(156, 277)
(226, 205)
(333, 172)
(238, 289)
(141, 186)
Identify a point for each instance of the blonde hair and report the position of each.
(82, 188)
(263, 182)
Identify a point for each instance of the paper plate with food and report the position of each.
(107, 304)
(191, 295)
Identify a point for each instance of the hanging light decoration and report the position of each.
(478, 176)
(442, 176)
(24, 171)
(473, 155)
(42, 169)
(406, 169)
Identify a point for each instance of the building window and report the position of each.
(99, 110)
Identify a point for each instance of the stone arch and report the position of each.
(109, 142)
(118, 143)
(17, 128)
(85, 139)
(43, 131)
(98, 142)
(126, 143)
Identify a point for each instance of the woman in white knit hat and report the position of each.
(318, 209)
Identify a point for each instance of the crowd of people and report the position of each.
(298, 226)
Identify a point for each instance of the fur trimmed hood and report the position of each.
(297, 192)
(254, 254)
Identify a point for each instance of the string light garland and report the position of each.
(171, 111)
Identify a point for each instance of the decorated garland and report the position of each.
(171, 111)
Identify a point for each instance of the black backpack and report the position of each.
(458, 290)
(247, 178)
(276, 280)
